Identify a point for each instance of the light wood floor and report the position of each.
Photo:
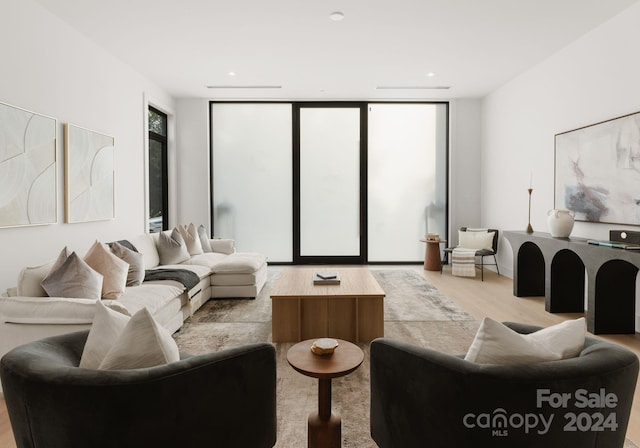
(493, 298)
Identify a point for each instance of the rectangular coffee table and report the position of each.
(352, 310)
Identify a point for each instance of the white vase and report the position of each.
(560, 222)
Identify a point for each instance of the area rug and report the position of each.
(415, 312)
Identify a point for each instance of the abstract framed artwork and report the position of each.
(89, 175)
(28, 190)
(597, 171)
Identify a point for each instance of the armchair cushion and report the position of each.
(475, 240)
(105, 330)
(495, 343)
(141, 343)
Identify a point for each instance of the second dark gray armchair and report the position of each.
(421, 398)
(225, 399)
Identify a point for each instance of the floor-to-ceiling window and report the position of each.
(158, 186)
(331, 196)
(407, 178)
(252, 176)
(330, 182)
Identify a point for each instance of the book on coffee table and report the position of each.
(326, 278)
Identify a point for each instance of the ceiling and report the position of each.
(470, 46)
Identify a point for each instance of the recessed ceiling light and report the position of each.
(232, 73)
(336, 16)
(431, 74)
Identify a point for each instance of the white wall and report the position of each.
(465, 175)
(593, 79)
(49, 68)
(194, 204)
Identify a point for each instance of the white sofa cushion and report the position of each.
(52, 310)
(495, 343)
(152, 295)
(240, 263)
(209, 259)
(113, 270)
(30, 279)
(105, 330)
(142, 343)
(146, 245)
(224, 279)
(172, 248)
(222, 245)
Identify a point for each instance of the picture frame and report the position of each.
(89, 175)
(597, 171)
(28, 168)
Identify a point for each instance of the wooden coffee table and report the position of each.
(324, 426)
(352, 310)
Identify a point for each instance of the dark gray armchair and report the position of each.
(224, 399)
(423, 398)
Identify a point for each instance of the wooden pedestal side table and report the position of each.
(325, 427)
(432, 260)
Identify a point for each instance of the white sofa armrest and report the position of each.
(223, 245)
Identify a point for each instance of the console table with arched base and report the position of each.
(556, 267)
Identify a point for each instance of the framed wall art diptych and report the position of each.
(28, 190)
(597, 171)
(89, 175)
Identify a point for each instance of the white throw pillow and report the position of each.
(106, 328)
(475, 240)
(495, 343)
(73, 278)
(135, 274)
(113, 270)
(30, 279)
(142, 343)
(191, 239)
(204, 239)
(172, 249)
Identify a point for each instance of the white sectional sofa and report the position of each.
(223, 272)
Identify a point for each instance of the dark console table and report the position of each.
(556, 267)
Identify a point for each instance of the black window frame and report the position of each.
(163, 140)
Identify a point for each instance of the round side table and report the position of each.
(325, 427)
(432, 260)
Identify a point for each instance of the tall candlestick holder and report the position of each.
(529, 228)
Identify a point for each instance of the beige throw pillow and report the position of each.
(113, 269)
(495, 343)
(142, 343)
(73, 278)
(106, 328)
(172, 249)
(135, 274)
(191, 239)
